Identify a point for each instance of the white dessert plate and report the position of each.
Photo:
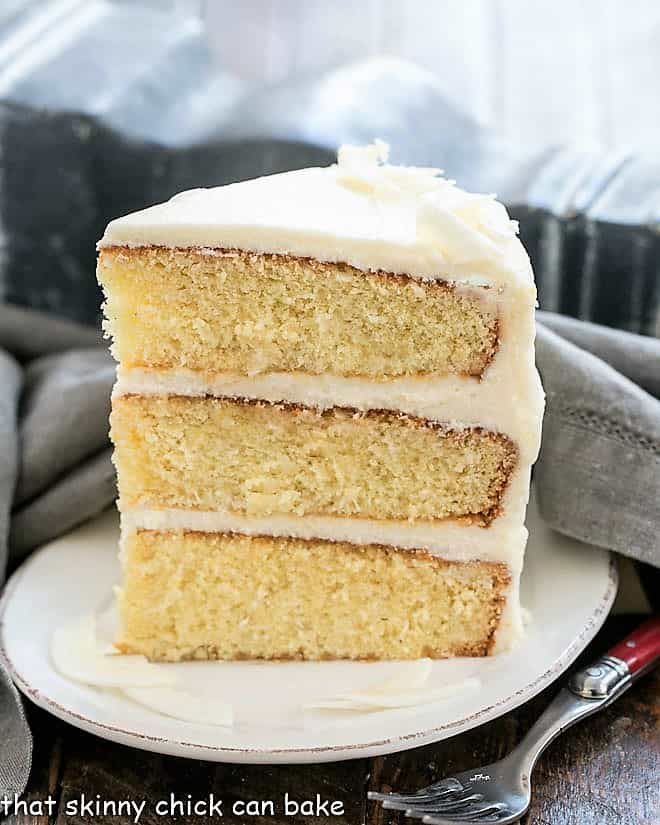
(567, 587)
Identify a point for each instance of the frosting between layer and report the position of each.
(451, 540)
(459, 401)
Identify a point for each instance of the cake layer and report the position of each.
(263, 459)
(495, 402)
(245, 313)
(212, 596)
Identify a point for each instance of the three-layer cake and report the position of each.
(325, 416)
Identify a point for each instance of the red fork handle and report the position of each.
(641, 649)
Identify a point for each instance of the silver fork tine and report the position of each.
(415, 799)
(393, 805)
(457, 803)
(469, 809)
(413, 813)
(483, 813)
(463, 804)
(488, 819)
(443, 788)
(420, 799)
(470, 818)
(417, 813)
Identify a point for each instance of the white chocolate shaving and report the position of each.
(76, 654)
(464, 227)
(79, 655)
(405, 688)
(181, 704)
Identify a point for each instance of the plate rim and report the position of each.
(277, 755)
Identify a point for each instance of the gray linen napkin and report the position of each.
(598, 475)
(55, 469)
(597, 478)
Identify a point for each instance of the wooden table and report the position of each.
(604, 771)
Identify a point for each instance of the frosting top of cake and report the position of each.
(361, 211)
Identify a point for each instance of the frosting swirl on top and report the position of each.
(463, 225)
(362, 211)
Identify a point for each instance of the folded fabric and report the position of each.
(598, 475)
(597, 478)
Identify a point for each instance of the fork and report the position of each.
(501, 792)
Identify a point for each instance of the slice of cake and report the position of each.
(325, 416)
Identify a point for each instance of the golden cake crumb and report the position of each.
(191, 595)
(262, 459)
(248, 313)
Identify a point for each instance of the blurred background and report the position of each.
(109, 105)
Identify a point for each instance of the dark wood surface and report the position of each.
(604, 771)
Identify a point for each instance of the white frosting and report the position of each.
(459, 401)
(501, 542)
(359, 211)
